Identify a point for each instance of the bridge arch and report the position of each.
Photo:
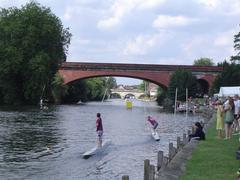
(78, 76)
(157, 74)
(203, 87)
(115, 95)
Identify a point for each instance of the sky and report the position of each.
(174, 32)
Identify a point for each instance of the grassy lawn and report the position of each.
(213, 159)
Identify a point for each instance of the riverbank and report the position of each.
(213, 159)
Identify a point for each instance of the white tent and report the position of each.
(229, 91)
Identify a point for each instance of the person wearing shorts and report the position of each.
(229, 118)
(99, 129)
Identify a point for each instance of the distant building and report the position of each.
(152, 88)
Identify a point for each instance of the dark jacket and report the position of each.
(198, 133)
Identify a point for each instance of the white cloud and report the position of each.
(121, 8)
(108, 23)
(195, 45)
(68, 13)
(165, 21)
(149, 4)
(234, 8)
(143, 43)
(222, 6)
(224, 40)
(218, 47)
(209, 4)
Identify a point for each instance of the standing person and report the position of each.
(219, 124)
(228, 118)
(153, 122)
(99, 129)
(236, 112)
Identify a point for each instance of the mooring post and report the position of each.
(170, 151)
(159, 160)
(125, 177)
(184, 139)
(152, 172)
(178, 142)
(146, 169)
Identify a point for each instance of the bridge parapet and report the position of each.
(143, 67)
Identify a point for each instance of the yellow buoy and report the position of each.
(128, 104)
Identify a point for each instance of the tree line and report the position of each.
(33, 42)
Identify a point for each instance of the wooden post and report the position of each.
(174, 151)
(125, 177)
(184, 139)
(146, 169)
(170, 151)
(175, 104)
(178, 142)
(151, 172)
(159, 160)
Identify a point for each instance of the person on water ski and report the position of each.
(153, 122)
(99, 129)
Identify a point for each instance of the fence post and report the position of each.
(178, 142)
(125, 177)
(170, 152)
(151, 172)
(159, 160)
(184, 139)
(146, 169)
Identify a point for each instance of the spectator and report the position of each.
(198, 134)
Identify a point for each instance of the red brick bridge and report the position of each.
(158, 74)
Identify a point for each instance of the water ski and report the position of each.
(96, 150)
(155, 135)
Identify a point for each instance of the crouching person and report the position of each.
(198, 134)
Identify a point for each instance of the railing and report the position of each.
(145, 67)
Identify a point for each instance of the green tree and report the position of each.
(111, 82)
(59, 90)
(95, 88)
(203, 62)
(229, 77)
(77, 91)
(237, 48)
(182, 79)
(161, 95)
(32, 44)
(92, 89)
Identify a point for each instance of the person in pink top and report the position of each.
(99, 129)
(153, 122)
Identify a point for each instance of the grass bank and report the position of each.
(213, 159)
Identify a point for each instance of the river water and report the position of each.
(37, 144)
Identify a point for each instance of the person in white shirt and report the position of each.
(236, 113)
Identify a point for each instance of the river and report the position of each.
(39, 145)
